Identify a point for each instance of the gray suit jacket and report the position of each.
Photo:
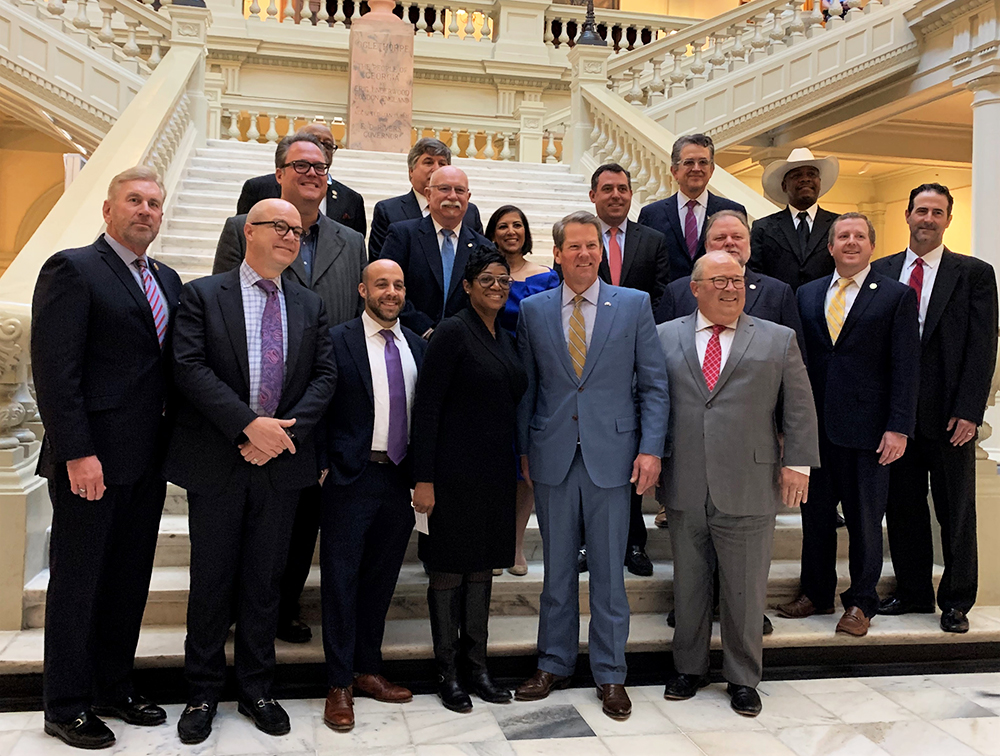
(725, 442)
(340, 256)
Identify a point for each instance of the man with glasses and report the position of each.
(329, 263)
(341, 203)
(433, 251)
(681, 216)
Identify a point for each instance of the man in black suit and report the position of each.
(957, 297)
(681, 216)
(791, 244)
(425, 157)
(863, 350)
(100, 332)
(433, 251)
(340, 203)
(254, 373)
(367, 518)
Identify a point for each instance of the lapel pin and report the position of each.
(333, 193)
(156, 267)
(873, 286)
(470, 244)
(607, 304)
(753, 286)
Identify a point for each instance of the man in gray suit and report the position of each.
(724, 471)
(592, 422)
(330, 260)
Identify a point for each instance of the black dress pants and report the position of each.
(239, 544)
(100, 561)
(366, 528)
(300, 553)
(952, 473)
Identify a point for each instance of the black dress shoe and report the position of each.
(954, 621)
(267, 715)
(744, 699)
(581, 560)
(134, 710)
(195, 723)
(488, 689)
(671, 619)
(294, 631)
(637, 562)
(768, 627)
(893, 606)
(454, 697)
(681, 687)
(86, 731)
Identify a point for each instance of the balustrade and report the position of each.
(623, 32)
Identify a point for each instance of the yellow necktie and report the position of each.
(838, 308)
(577, 336)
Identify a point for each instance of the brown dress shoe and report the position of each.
(660, 520)
(800, 608)
(616, 701)
(338, 714)
(539, 685)
(854, 622)
(377, 687)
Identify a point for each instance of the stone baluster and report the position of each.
(485, 32)
(697, 67)
(853, 10)
(607, 143)
(154, 54)
(470, 27)
(643, 176)
(619, 148)
(488, 151)
(652, 182)
(625, 161)
(272, 11)
(563, 32)
(130, 48)
(634, 95)
(835, 13)
(716, 58)
(636, 41)
(106, 35)
(814, 20)
(288, 12)
(455, 151)
(339, 17)
(255, 10)
(506, 153)
(615, 82)
(436, 132)
(678, 79)
(796, 26)
(234, 125)
(738, 52)
(422, 19)
(633, 165)
(322, 14)
(253, 135)
(550, 147)
(453, 26)
(663, 190)
(438, 27)
(80, 21)
(548, 38)
(777, 32)
(56, 7)
(272, 130)
(657, 87)
(758, 45)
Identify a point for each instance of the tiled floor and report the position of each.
(939, 715)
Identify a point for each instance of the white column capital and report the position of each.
(189, 25)
(985, 89)
(589, 62)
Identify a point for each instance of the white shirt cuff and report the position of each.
(803, 469)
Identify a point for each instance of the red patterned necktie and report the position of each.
(691, 229)
(272, 352)
(614, 256)
(712, 364)
(153, 297)
(917, 279)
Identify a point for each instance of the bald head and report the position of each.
(448, 196)
(322, 132)
(383, 290)
(269, 252)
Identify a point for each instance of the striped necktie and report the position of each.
(153, 297)
(838, 309)
(577, 336)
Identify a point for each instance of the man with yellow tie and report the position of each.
(863, 354)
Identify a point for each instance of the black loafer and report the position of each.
(768, 627)
(86, 731)
(195, 724)
(894, 606)
(581, 560)
(637, 562)
(134, 710)
(954, 621)
(744, 699)
(681, 687)
(671, 619)
(294, 631)
(488, 689)
(267, 715)
(454, 697)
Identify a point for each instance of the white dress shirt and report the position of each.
(932, 263)
(254, 299)
(322, 202)
(853, 289)
(700, 210)
(588, 309)
(129, 257)
(620, 236)
(811, 212)
(380, 377)
(440, 237)
(423, 202)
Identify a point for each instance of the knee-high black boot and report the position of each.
(445, 610)
(475, 621)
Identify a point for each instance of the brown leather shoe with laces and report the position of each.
(617, 704)
(338, 714)
(377, 687)
(800, 608)
(539, 685)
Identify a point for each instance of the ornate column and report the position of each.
(589, 64)
(531, 137)
(876, 214)
(190, 20)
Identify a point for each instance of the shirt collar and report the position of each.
(621, 227)
(421, 200)
(373, 328)
(810, 211)
(704, 323)
(701, 199)
(457, 230)
(858, 278)
(127, 255)
(249, 276)
(590, 295)
(932, 259)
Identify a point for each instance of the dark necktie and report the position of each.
(803, 231)
(272, 358)
(691, 229)
(397, 398)
(917, 279)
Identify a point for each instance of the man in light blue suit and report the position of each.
(593, 421)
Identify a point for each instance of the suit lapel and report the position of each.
(632, 239)
(295, 312)
(791, 236)
(752, 281)
(869, 289)
(329, 244)
(944, 285)
(125, 276)
(741, 340)
(894, 265)
(410, 206)
(690, 349)
(819, 309)
(607, 308)
(354, 335)
(553, 316)
(675, 221)
(231, 304)
(464, 245)
(432, 252)
(297, 271)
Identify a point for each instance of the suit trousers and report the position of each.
(239, 544)
(100, 561)
(637, 535)
(300, 553)
(854, 478)
(365, 530)
(952, 472)
(741, 547)
(605, 516)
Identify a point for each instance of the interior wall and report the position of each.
(30, 183)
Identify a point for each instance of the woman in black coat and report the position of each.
(463, 454)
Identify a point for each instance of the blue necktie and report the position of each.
(447, 265)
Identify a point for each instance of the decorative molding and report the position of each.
(56, 96)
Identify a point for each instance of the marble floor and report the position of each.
(937, 715)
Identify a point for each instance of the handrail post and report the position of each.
(189, 21)
(588, 63)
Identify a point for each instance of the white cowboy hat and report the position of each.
(774, 174)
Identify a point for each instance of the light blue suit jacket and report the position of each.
(618, 408)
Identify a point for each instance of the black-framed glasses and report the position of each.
(486, 280)
(303, 166)
(461, 191)
(721, 282)
(282, 228)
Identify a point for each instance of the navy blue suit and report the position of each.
(664, 217)
(367, 518)
(864, 385)
(414, 245)
(402, 208)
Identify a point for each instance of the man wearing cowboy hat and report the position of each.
(790, 245)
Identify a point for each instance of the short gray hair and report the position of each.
(427, 146)
(138, 173)
(726, 214)
(701, 140)
(849, 216)
(283, 146)
(580, 216)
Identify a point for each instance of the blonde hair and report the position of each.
(138, 173)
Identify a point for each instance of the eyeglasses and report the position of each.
(721, 282)
(282, 228)
(691, 163)
(461, 191)
(303, 166)
(486, 280)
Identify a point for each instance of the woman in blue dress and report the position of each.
(508, 230)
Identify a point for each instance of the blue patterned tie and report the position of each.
(447, 265)
(272, 360)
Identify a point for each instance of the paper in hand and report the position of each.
(421, 523)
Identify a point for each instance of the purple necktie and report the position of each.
(691, 229)
(272, 359)
(397, 398)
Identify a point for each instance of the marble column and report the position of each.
(589, 64)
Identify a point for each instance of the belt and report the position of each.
(380, 457)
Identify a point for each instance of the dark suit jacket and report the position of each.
(865, 384)
(959, 343)
(774, 248)
(350, 418)
(414, 245)
(645, 262)
(662, 216)
(343, 204)
(212, 377)
(101, 379)
(405, 207)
